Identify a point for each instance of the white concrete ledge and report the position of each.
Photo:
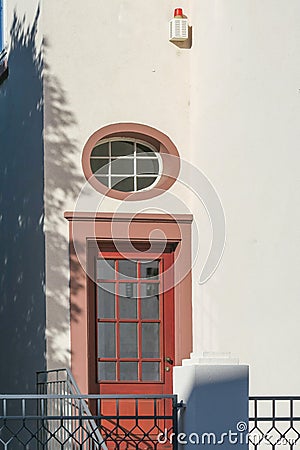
(211, 358)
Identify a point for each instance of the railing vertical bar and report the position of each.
(175, 421)
(136, 412)
(117, 417)
(62, 401)
(52, 408)
(255, 411)
(291, 416)
(81, 422)
(273, 419)
(23, 408)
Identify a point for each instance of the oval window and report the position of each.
(128, 161)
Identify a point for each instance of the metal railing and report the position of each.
(60, 421)
(274, 423)
(61, 382)
(59, 417)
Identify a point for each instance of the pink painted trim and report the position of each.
(110, 217)
(98, 227)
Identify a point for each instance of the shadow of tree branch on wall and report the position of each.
(63, 184)
(22, 248)
(23, 233)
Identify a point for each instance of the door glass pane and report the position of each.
(150, 269)
(128, 300)
(150, 340)
(149, 304)
(106, 371)
(149, 290)
(127, 269)
(106, 301)
(105, 269)
(128, 340)
(106, 340)
(128, 371)
(151, 371)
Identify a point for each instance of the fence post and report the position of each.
(214, 388)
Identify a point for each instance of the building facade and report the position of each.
(219, 116)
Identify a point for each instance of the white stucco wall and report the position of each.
(231, 105)
(113, 63)
(244, 135)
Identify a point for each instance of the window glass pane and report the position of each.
(149, 290)
(144, 151)
(122, 166)
(150, 340)
(150, 269)
(127, 300)
(145, 166)
(103, 180)
(100, 166)
(106, 371)
(105, 269)
(144, 182)
(128, 290)
(122, 184)
(106, 301)
(128, 340)
(101, 150)
(106, 340)
(128, 371)
(122, 148)
(127, 269)
(149, 305)
(151, 371)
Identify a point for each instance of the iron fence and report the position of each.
(274, 423)
(59, 417)
(86, 422)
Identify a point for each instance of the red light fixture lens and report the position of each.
(178, 12)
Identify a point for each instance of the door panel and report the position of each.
(132, 318)
(131, 341)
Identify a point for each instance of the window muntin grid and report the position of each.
(136, 167)
(129, 320)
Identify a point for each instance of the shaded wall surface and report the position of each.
(22, 250)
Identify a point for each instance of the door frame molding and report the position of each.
(85, 227)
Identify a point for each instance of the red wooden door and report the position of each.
(132, 339)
